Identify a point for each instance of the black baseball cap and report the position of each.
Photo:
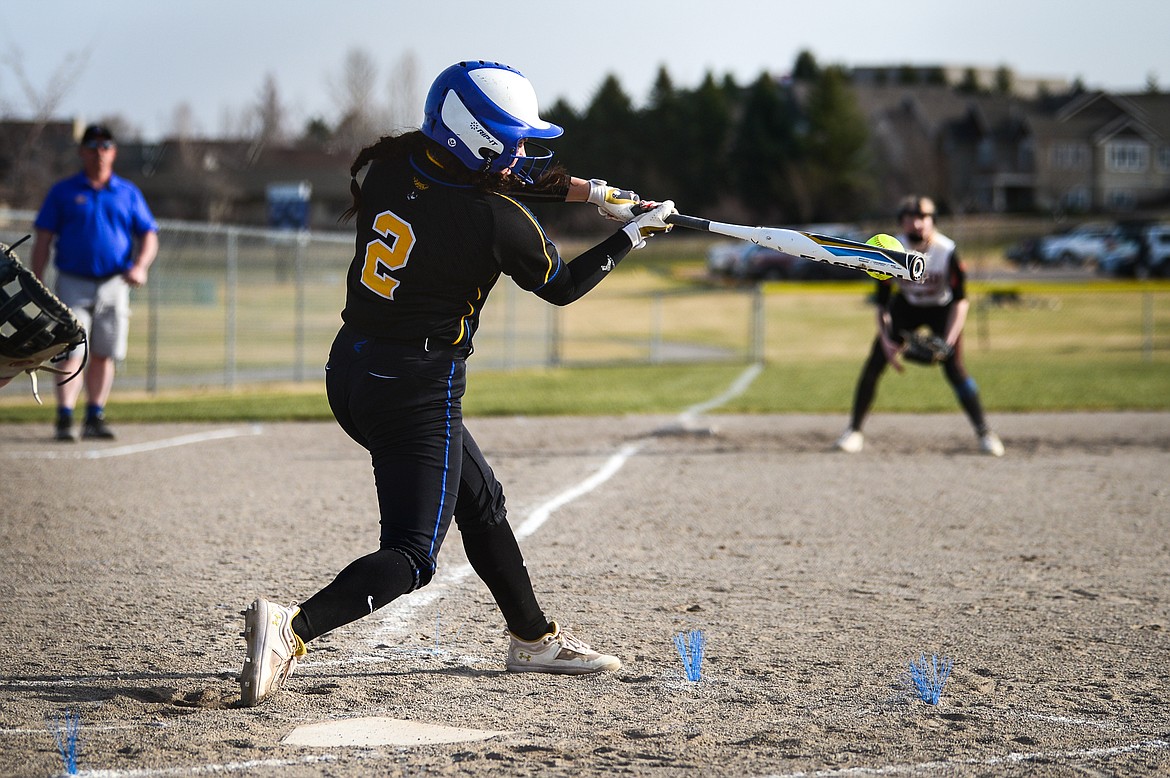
(96, 132)
(916, 205)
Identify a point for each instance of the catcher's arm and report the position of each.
(36, 328)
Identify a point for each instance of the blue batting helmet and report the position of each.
(481, 112)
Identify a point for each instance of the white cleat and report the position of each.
(851, 441)
(557, 652)
(990, 444)
(273, 650)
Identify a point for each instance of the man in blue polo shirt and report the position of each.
(106, 239)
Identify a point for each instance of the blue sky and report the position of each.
(143, 58)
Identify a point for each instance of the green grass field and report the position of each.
(1031, 346)
(1052, 383)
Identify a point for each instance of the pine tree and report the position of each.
(765, 150)
(837, 166)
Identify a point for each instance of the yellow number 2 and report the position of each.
(384, 256)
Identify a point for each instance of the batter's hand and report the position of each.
(650, 222)
(611, 202)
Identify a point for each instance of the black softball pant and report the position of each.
(905, 317)
(403, 404)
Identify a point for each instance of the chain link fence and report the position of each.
(229, 306)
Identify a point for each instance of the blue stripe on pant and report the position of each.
(403, 404)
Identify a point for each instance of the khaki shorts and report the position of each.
(103, 308)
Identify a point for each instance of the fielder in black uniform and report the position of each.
(440, 217)
(939, 303)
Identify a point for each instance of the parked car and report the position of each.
(1082, 245)
(1145, 253)
(744, 261)
(1120, 259)
(1025, 252)
(722, 258)
(1156, 249)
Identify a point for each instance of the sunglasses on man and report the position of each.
(99, 144)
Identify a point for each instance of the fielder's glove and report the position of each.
(925, 348)
(611, 202)
(650, 220)
(36, 328)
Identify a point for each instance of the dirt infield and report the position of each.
(815, 577)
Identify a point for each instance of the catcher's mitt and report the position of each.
(925, 348)
(36, 328)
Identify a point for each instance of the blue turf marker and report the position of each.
(690, 651)
(929, 677)
(66, 731)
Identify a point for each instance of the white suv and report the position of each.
(1083, 245)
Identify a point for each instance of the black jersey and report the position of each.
(428, 252)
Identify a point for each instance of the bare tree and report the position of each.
(33, 164)
(353, 93)
(236, 122)
(264, 121)
(271, 114)
(43, 102)
(184, 128)
(184, 125)
(404, 109)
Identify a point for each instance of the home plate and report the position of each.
(378, 731)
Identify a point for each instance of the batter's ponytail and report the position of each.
(386, 148)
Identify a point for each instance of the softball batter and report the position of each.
(439, 218)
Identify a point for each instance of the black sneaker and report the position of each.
(65, 431)
(96, 428)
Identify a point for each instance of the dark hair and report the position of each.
(916, 205)
(403, 146)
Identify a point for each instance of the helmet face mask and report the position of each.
(533, 162)
(483, 113)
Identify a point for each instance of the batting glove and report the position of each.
(611, 202)
(649, 222)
